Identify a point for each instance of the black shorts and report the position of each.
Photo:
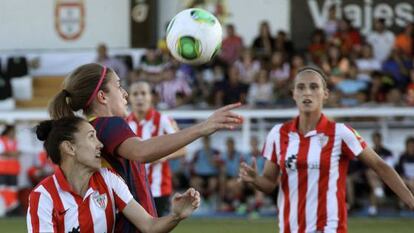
(163, 205)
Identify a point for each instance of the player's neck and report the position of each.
(308, 122)
(140, 115)
(77, 178)
(102, 112)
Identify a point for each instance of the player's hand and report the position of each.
(248, 173)
(222, 118)
(184, 204)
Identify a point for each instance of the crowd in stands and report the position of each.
(364, 71)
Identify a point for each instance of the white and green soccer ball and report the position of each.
(194, 36)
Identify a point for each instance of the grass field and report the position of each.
(227, 225)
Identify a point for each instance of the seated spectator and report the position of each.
(379, 87)
(405, 164)
(283, 44)
(347, 37)
(366, 63)
(398, 67)
(381, 40)
(410, 89)
(248, 67)
(317, 47)
(331, 25)
(231, 47)
(350, 87)
(375, 183)
(204, 168)
(151, 67)
(395, 98)
(175, 81)
(231, 90)
(263, 45)
(260, 93)
(404, 40)
(104, 59)
(279, 75)
(297, 62)
(231, 189)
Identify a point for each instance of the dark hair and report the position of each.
(54, 132)
(77, 89)
(409, 140)
(7, 130)
(322, 75)
(377, 134)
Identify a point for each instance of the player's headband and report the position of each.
(98, 86)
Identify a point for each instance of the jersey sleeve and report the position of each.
(39, 214)
(352, 142)
(168, 125)
(121, 192)
(270, 151)
(112, 131)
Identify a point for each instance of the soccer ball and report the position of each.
(194, 36)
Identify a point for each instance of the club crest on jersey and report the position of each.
(100, 200)
(323, 139)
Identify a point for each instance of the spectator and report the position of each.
(379, 87)
(263, 45)
(404, 40)
(398, 66)
(231, 47)
(152, 66)
(406, 164)
(283, 44)
(350, 87)
(9, 169)
(260, 93)
(366, 63)
(205, 166)
(175, 81)
(317, 47)
(232, 190)
(248, 67)
(331, 25)
(381, 40)
(113, 63)
(279, 75)
(410, 89)
(375, 183)
(231, 90)
(347, 37)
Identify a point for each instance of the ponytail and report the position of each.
(79, 87)
(60, 106)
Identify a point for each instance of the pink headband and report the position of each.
(92, 97)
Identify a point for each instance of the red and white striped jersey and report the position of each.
(313, 170)
(54, 207)
(155, 124)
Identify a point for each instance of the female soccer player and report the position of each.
(309, 157)
(83, 197)
(96, 90)
(147, 122)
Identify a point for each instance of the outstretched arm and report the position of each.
(265, 183)
(388, 175)
(182, 207)
(158, 147)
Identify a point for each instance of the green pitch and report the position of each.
(227, 225)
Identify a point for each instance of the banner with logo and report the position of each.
(69, 18)
(307, 15)
(143, 23)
